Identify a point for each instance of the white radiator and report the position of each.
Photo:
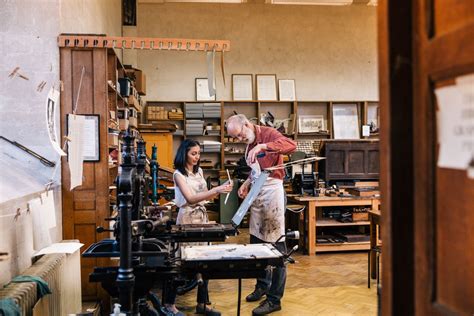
(62, 272)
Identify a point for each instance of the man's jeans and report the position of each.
(275, 280)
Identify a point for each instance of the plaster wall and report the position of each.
(330, 51)
(28, 37)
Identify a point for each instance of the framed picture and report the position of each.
(202, 90)
(90, 136)
(266, 88)
(345, 117)
(242, 87)
(310, 123)
(286, 89)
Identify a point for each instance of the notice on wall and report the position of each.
(41, 236)
(76, 148)
(455, 120)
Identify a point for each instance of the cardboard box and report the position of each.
(123, 124)
(360, 216)
(133, 121)
(140, 82)
(113, 139)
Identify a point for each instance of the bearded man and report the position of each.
(265, 147)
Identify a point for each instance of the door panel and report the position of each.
(454, 240)
(444, 197)
(451, 14)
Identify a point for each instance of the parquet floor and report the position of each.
(325, 285)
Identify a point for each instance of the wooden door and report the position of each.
(427, 211)
(164, 144)
(444, 200)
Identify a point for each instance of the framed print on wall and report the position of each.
(242, 87)
(202, 90)
(345, 118)
(286, 89)
(310, 123)
(266, 88)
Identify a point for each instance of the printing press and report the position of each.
(147, 242)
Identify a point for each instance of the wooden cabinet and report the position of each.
(350, 160)
(87, 206)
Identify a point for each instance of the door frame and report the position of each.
(395, 52)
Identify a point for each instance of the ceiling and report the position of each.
(290, 2)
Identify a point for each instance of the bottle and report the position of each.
(117, 311)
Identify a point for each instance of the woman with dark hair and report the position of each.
(191, 195)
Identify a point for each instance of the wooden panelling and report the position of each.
(88, 289)
(454, 240)
(450, 15)
(84, 217)
(86, 206)
(444, 197)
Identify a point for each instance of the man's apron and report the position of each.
(267, 213)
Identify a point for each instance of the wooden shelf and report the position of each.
(323, 247)
(232, 153)
(174, 120)
(314, 134)
(333, 222)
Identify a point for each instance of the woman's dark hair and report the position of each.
(181, 155)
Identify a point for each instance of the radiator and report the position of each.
(62, 272)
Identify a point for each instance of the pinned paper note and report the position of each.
(52, 106)
(41, 236)
(365, 130)
(75, 149)
(455, 120)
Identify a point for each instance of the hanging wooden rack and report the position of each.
(180, 44)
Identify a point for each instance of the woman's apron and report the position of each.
(194, 214)
(267, 213)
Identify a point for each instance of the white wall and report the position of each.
(28, 37)
(91, 16)
(330, 51)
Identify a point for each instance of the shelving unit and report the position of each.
(87, 206)
(253, 109)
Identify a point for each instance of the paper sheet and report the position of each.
(41, 236)
(75, 149)
(455, 119)
(211, 73)
(52, 104)
(89, 139)
(60, 247)
(48, 209)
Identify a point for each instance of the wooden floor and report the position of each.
(325, 284)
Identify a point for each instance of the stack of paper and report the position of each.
(212, 110)
(210, 146)
(194, 110)
(194, 127)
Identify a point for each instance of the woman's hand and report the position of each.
(224, 188)
(244, 189)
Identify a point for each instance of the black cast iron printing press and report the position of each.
(146, 241)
